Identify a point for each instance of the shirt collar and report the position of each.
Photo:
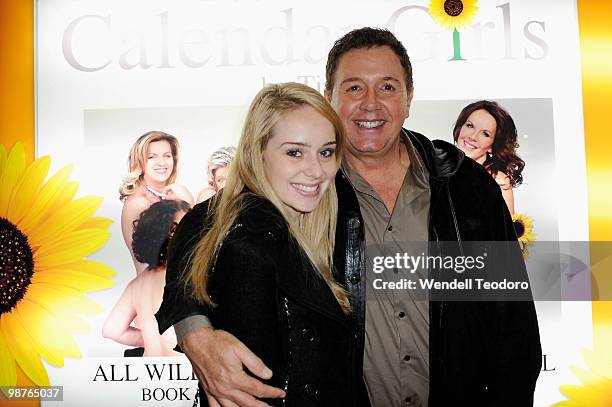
(418, 171)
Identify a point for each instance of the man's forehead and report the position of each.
(375, 62)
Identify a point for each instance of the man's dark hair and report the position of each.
(366, 37)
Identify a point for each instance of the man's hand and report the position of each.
(217, 358)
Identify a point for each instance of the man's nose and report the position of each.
(370, 101)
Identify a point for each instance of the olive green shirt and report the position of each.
(396, 354)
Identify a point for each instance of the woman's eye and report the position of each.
(328, 152)
(294, 153)
(469, 125)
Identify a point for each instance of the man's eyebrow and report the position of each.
(390, 78)
(385, 78)
(349, 80)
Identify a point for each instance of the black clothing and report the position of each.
(268, 295)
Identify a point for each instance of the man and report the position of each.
(395, 187)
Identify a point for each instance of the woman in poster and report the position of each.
(485, 132)
(264, 267)
(152, 171)
(143, 295)
(218, 166)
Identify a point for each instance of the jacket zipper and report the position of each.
(288, 314)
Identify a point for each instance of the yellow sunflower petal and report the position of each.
(27, 188)
(8, 375)
(63, 221)
(66, 195)
(45, 198)
(23, 348)
(74, 279)
(598, 363)
(74, 246)
(597, 385)
(14, 167)
(2, 158)
(96, 223)
(587, 396)
(453, 21)
(72, 324)
(48, 332)
(60, 299)
(88, 266)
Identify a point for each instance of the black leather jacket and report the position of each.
(481, 353)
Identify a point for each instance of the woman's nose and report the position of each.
(313, 168)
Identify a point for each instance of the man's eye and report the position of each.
(294, 153)
(388, 87)
(353, 88)
(328, 152)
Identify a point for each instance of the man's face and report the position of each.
(370, 96)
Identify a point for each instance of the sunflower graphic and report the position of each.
(596, 389)
(523, 225)
(44, 236)
(453, 15)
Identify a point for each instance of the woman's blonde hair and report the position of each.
(315, 231)
(138, 157)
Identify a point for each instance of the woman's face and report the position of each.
(220, 177)
(159, 163)
(477, 135)
(299, 160)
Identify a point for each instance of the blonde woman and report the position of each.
(218, 166)
(261, 259)
(152, 172)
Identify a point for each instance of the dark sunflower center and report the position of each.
(16, 265)
(453, 7)
(519, 228)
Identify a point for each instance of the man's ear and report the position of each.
(408, 102)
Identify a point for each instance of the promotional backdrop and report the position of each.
(107, 72)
